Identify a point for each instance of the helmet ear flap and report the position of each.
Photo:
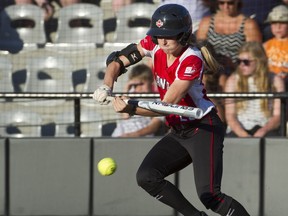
(154, 39)
(184, 38)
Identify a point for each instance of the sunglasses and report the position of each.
(246, 62)
(134, 85)
(230, 3)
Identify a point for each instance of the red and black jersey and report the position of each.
(188, 66)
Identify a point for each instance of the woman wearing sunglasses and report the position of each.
(227, 30)
(253, 117)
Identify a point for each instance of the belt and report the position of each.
(180, 127)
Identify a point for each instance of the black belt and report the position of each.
(180, 127)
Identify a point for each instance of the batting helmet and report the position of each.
(171, 20)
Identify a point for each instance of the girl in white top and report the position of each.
(253, 117)
(140, 81)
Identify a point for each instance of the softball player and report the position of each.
(178, 67)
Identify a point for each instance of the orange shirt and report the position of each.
(277, 53)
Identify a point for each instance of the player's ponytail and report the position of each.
(208, 53)
(211, 64)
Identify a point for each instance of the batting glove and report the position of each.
(101, 94)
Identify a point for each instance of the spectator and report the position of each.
(259, 14)
(277, 47)
(140, 81)
(253, 117)
(197, 9)
(227, 30)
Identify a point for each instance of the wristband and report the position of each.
(133, 111)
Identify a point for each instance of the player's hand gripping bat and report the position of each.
(166, 108)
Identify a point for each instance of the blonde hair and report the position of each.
(210, 62)
(260, 76)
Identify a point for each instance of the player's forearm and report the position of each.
(145, 112)
(240, 132)
(272, 124)
(237, 128)
(111, 74)
(143, 132)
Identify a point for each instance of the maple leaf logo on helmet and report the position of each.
(159, 23)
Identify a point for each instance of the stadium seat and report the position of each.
(15, 123)
(49, 74)
(133, 22)
(5, 75)
(22, 26)
(80, 23)
(96, 69)
(91, 124)
(95, 73)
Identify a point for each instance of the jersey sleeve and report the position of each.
(147, 45)
(191, 68)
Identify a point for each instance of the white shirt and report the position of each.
(132, 124)
(252, 114)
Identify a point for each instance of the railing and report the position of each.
(78, 96)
